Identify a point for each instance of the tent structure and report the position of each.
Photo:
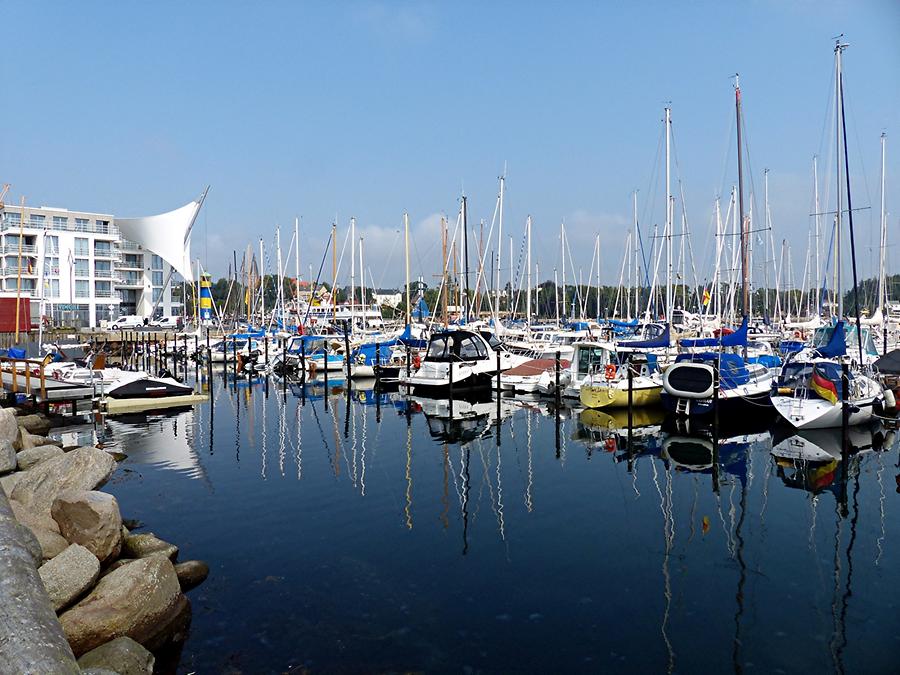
(168, 235)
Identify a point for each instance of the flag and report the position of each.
(824, 387)
(706, 296)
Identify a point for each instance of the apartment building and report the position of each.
(80, 266)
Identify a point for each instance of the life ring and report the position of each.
(610, 444)
(798, 334)
(610, 371)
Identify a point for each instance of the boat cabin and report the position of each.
(458, 345)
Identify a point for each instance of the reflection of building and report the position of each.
(92, 267)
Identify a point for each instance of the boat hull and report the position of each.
(598, 396)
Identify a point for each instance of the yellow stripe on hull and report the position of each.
(593, 396)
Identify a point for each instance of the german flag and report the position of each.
(823, 386)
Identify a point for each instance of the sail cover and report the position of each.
(168, 235)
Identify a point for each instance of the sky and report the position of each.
(327, 111)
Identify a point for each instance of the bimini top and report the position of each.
(457, 345)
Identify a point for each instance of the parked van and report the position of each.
(128, 321)
(175, 322)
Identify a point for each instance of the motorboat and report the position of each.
(611, 387)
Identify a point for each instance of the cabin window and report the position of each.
(471, 349)
(437, 349)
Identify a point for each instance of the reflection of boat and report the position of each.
(158, 439)
(822, 445)
(618, 419)
(462, 420)
(609, 430)
(695, 452)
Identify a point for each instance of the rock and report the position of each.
(52, 543)
(69, 575)
(34, 424)
(27, 440)
(191, 573)
(8, 460)
(82, 469)
(31, 544)
(33, 456)
(91, 519)
(8, 482)
(132, 523)
(9, 427)
(31, 518)
(143, 545)
(118, 456)
(98, 671)
(116, 565)
(141, 600)
(122, 655)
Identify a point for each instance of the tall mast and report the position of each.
(280, 293)
(745, 244)
(768, 230)
(597, 313)
(528, 273)
(362, 286)
(297, 263)
(406, 246)
(334, 273)
(444, 265)
(352, 271)
(838, 113)
(882, 286)
(637, 279)
(562, 246)
(500, 243)
(818, 277)
(262, 283)
(465, 234)
(668, 234)
(556, 293)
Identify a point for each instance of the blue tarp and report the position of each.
(369, 349)
(661, 341)
(736, 339)
(406, 338)
(837, 344)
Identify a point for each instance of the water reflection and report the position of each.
(418, 534)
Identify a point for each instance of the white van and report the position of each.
(128, 321)
(167, 322)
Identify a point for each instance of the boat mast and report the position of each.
(262, 283)
(838, 112)
(556, 293)
(839, 48)
(465, 234)
(280, 294)
(637, 279)
(528, 274)
(562, 248)
(818, 278)
(444, 262)
(297, 263)
(362, 286)
(406, 247)
(597, 312)
(768, 230)
(334, 273)
(500, 243)
(668, 233)
(882, 286)
(745, 249)
(352, 271)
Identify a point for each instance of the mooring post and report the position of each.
(630, 371)
(303, 362)
(377, 367)
(325, 372)
(266, 348)
(347, 358)
(407, 360)
(234, 355)
(557, 392)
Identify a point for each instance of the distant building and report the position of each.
(81, 266)
(389, 299)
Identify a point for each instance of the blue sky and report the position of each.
(368, 109)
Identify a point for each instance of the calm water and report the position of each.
(373, 536)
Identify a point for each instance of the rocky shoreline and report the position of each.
(82, 585)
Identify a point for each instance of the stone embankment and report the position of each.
(79, 592)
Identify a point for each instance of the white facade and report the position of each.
(80, 266)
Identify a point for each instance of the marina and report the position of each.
(420, 337)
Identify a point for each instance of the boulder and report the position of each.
(122, 655)
(147, 544)
(113, 566)
(32, 545)
(9, 426)
(8, 460)
(52, 543)
(34, 424)
(8, 482)
(91, 519)
(69, 575)
(33, 456)
(83, 469)
(27, 440)
(141, 600)
(33, 519)
(191, 573)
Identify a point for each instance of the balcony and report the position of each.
(129, 246)
(130, 282)
(123, 264)
(106, 253)
(104, 294)
(110, 230)
(13, 271)
(105, 274)
(14, 249)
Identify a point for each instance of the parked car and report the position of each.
(168, 322)
(128, 321)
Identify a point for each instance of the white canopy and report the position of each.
(168, 235)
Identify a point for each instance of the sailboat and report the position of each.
(823, 388)
(720, 380)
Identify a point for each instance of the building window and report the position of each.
(157, 278)
(51, 288)
(157, 294)
(102, 289)
(51, 266)
(82, 225)
(104, 313)
(37, 219)
(60, 223)
(82, 268)
(82, 289)
(133, 278)
(103, 226)
(102, 268)
(103, 248)
(13, 218)
(51, 244)
(81, 246)
(156, 263)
